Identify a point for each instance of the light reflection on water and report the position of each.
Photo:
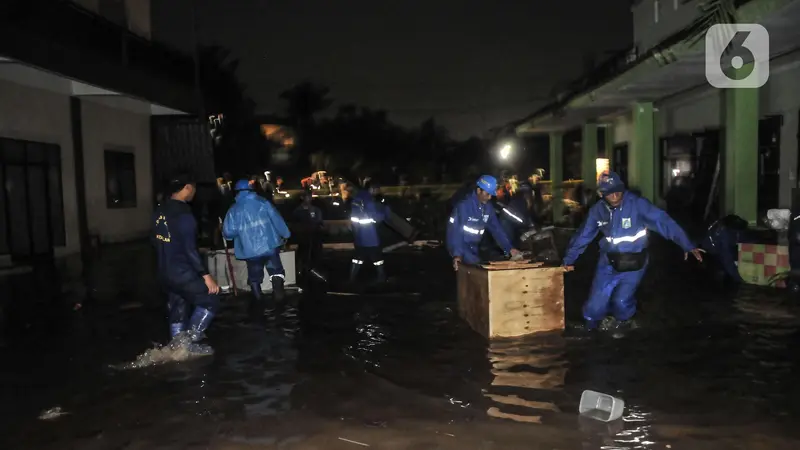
(736, 368)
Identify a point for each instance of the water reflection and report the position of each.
(527, 374)
(364, 368)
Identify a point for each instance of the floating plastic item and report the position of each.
(602, 407)
(778, 219)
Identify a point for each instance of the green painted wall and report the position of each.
(741, 152)
(642, 151)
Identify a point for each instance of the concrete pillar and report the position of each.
(589, 156)
(557, 174)
(642, 151)
(788, 177)
(741, 153)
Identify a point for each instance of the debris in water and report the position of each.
(129, 306)
(354, 442)
(52, 413)
(603, 407)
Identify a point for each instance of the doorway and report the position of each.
(619, 161)
(31, 200)
(769, 163)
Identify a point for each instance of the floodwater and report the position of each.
(397, 369)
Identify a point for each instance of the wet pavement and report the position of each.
(397, 369)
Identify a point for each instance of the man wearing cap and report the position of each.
(624, 218)
(192, 293)
(258, 232)
(365, 215)
(468, 221)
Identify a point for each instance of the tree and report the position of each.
(713, 12)
(303, 102)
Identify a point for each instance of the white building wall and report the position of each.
(695, 111)
(43, 116)
(109, 128)
(673, 15)
(139, 17)
(623, 129)
(137, 12)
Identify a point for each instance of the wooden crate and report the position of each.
(511, 301)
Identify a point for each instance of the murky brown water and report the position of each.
(399, 370)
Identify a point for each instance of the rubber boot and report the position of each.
(176, 329)
(258, 297)
(201, 319)
(278, 297)
(354, 268)
(380, 274)
(278, 292)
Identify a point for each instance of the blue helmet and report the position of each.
(488, 183)
(609, 183)
(242, 185)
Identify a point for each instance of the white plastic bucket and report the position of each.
(602, 407)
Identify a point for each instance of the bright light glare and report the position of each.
(601, 165)
(505, 151)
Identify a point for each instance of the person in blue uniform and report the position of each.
(365, 216)
(517, 216)
(258, 232)
(720, 243)
(468, 221)
(192, 292)
(308, 220)
(624, 219)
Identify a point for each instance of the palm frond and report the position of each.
(712, 12)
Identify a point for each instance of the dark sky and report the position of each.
(472, 64)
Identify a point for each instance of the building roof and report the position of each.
(675, 65)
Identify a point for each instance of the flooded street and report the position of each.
(398, 369)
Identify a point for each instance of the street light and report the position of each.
(505, 152)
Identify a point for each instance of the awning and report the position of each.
(26, 75)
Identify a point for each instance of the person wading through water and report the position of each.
(258, 232)
(192, 293)
(624, 218)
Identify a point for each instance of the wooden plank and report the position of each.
(473, 298)
(512, 263)
(526, 301)
(511, 302)
(514, 266)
